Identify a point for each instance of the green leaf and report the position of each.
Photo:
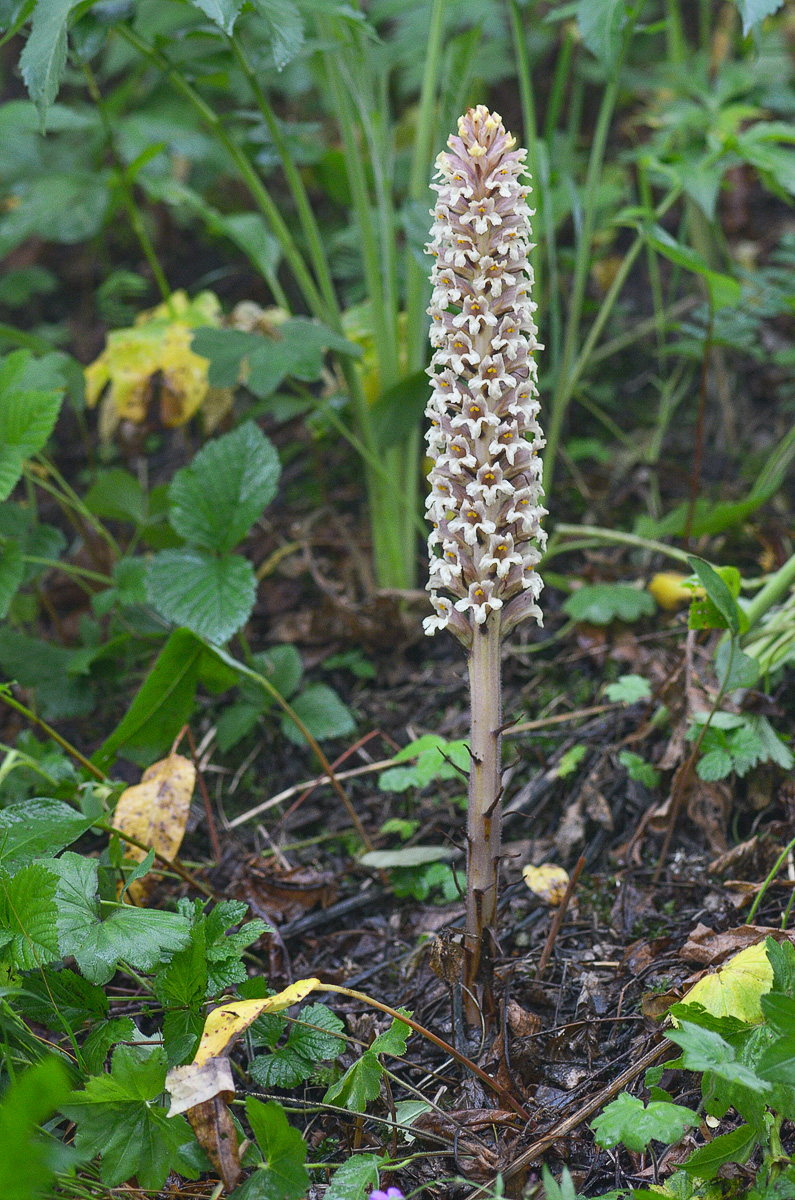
(28, 1161)
(774, 749)
(109, 1033)
(398, 410)
(570, 761)
(601, 603)
(638, 769)
(48, 668)
(704, 1050)
(211, 595)
(727, 1147)
(224, 949)
(721, 611)
(735, 670)
(282, 1174)
(27, 418)
(323, 713)
(28, 912)
(262, 363)
(51, 997)
(627, 1120)
(601, 25)
(162, 705)
(116, 495)
(360, 1084)
(406, 856)
(355, 1178)
(12, 574)
(282, 666)
(436, 758)
(181, 987)
(392, 1040)
(216, 500)
(43, 59)
(294, 1062)
(117, 1118)
(284, 29)
(724, 292)
(714, 765)
(781, 956)
(38, 828)
(754, 11)
(628, 689)
(141, 937)
(223, 13)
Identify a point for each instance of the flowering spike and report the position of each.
(484, 437)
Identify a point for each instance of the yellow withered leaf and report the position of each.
(736, 988)
(548, 882)
(228, 1020)
(154, 360)
(669, 591)
(155, 811)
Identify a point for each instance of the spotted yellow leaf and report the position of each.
(155, 812)
(736, 989)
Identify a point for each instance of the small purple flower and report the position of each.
(390, 1194)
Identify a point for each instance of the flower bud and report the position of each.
(484, 436)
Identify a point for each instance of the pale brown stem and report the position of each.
(484, 819)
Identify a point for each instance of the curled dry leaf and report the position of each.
(548, 882)
(155, 811)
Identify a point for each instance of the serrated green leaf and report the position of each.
(117, 495)
(755, 11)
(216, 500)
(704, 1050)
(43, 59)
(263, 363)
(210, 595)
(96, 1046)
(294, 1062)
(627, 1120)
(223, 13)
(282, 1174)
(282, 666)
(781, 956)
(638, 769)
(323, 713)
(37, 828)
(355, 1178)
(285, 29)
(28, 913)
(392, 1040)
(715, 764)
(436, 758)
(727, 1147)
(51, 997)
(360, 1084)
(181, 987)
(117, 1118)
(27, 418)
(734, 668)
(601, 603)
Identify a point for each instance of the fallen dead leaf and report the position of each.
(710, 948)
(155, 811)
(548, 882)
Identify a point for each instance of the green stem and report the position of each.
(771, 593)
(128, 196)
(258, 191)
(568, 379)
(627, 539)
(771, 875)
(306, 216)
(7, 698)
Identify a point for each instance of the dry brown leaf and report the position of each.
(710, 948)
(155, 811)
(215, 1133)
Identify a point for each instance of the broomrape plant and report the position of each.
(484, 439)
